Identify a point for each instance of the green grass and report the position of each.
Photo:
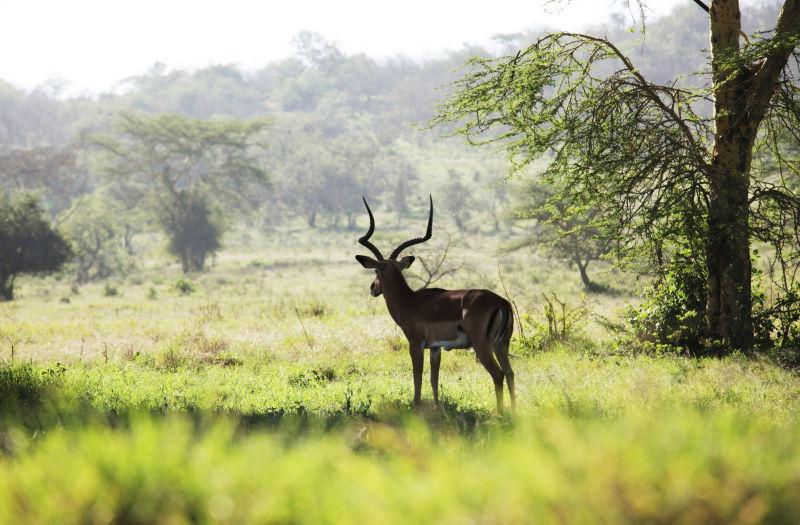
(278, 391)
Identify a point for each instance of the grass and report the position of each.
(675, 467)
(273, 389)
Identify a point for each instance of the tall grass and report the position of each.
(677, 466)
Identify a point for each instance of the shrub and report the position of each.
(558, 322)
(183, 286)
(27, 242)
(672, 313)
(193, 229)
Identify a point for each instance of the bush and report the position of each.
(183, 286)
(559, 322)
(672, 313)
(193, 230)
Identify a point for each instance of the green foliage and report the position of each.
(559, 324)
(29, 244)
(193, 228)
(98, 238)
(672, 313)
(183, 286)
(564, 229)
(646, 156)
(541, 471)
(584, 443)
(110, 290)
(184, 169)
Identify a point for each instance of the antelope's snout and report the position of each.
(375, 288)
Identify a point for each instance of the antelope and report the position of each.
(439, 319)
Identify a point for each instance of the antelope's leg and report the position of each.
(436, 359)
(501, 353)
(484, 354)
(417, 361)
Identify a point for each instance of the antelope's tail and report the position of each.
(501, 331)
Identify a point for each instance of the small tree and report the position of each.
(99, 240)
(180, 167)
(28, 245)
(193, 230)
(565, 231)
(459, 200)
(436, 261)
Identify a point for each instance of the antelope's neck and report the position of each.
(396, 292)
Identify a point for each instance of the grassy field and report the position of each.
(274, 389)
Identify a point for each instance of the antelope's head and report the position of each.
(390, 269)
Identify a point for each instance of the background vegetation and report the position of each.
(246, 375)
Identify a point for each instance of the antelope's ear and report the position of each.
(367, 262)
(406, 261)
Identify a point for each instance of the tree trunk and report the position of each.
(729, 301)
(185, 263)
(742, 93)
(587, 283)
(6, 287)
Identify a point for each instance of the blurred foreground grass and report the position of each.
(684, 466)
(598, 439)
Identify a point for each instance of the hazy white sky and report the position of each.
(95, 43)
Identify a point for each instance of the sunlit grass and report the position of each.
(279, 391)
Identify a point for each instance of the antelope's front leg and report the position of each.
(416, 351)
(436, 359)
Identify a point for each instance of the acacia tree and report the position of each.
(565, 231)
(53, 171)
(179, 168)
(664, 173)
(28, 245)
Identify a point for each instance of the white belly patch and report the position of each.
(461, 341)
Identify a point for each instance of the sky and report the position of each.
(93, 44)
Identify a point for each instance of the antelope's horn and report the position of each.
(418, 240)
(364, 241)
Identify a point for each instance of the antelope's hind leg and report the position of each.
(501, 352)
(484, 355)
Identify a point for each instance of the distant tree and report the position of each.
(319, 171)
(218, 90)
(28, 245)
(665, 172)
(398, 177)
(180, 168)
(194, 230)
(567, 233)
(99, 239)
(49, 170)
(32, 119)
(458, 200)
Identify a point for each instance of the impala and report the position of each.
(442, 319)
